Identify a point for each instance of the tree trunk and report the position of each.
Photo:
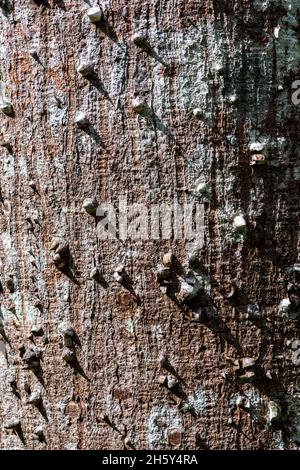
(188, 104)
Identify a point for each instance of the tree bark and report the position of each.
(159, 363)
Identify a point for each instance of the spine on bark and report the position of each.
(168, 259)
(61, 249)
(32, 358)
(6, 107)
(168, 381)
(239, 223)
(95, 14)
(203, 190)
(13, 423)
(140, 40)
(163, 274)
(6, 6)
(95, 274)
(59, 261)
(274, 413)
(10, 284)
(35, 331)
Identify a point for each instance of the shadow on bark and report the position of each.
(78, 369)
(20, 435)
(273, 388)
(40, 407)
(148, 49)
(107, 29)
(155, 121)
(105, 419)
(202, 306)
(76, 340)
(100, 280)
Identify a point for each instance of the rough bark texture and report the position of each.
(227, 59)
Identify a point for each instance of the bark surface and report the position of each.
(234, 61)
